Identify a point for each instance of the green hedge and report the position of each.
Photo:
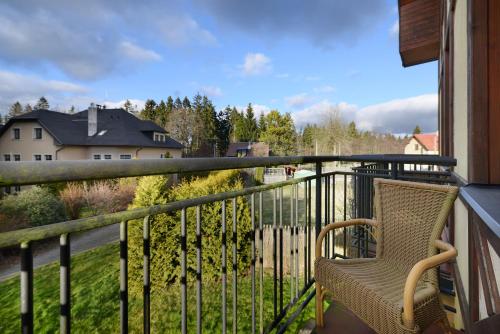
(165, 230)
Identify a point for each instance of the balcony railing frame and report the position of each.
(29, 173)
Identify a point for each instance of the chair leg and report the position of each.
(319, 306)
(444, 324)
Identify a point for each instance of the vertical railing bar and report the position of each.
(345, 214)
(306, 235)
(224, 269)
(235, 267)
(26, 282)
(65, 286)
(327, 198)
(252, 264)
(291, 253)
(333, 213)
(275, 273)
(281, 247)
(124, 277)
(296, 241)
(309, 234)
(183, 272)
(146, 268)
(261, 261)
(199, 295)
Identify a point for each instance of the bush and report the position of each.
(165, 230)
(99, 197)
(73, 197)
(37, 205)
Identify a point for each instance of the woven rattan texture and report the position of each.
(410, 216)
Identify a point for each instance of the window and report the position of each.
(17, 188)
(16, 133)
(48, 157)
(157, 137)
(37, 133)
(6, 157)
(162, 138)
(416, 147)
(7, 190)
(107, 156)
(17, 157)
(97, 157)
(125, 156)
(37, 157)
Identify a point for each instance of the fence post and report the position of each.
(318, 198)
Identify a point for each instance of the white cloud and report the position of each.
(395, 116)
(211, 91)
(257, 109)
(318, 112)
(135, 52)
(394, 30)
(400, 115)
(298, 100)
(325, 89)
(136, 104)
(91, 39)
(256, 64)
(27, 89)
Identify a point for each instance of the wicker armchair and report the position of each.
(396, 292)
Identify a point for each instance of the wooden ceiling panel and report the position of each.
(419, 31)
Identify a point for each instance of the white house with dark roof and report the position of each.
(96, 133)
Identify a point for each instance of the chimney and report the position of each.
(92, 119)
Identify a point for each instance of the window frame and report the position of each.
(47, 155)
(7, 159)
(35, 131)
(35, 157)
(14, 156)
(16, 131)
(124, 156)
(108, 155)
(96, 157)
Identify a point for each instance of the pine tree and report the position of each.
(280, 133)
(223, 130)
(149, 111)
(71, 110)
(417, 130)
(15, 110)
(250, 132)
(42, 104)
(127, 106)
(262, 123)
(162, 114)
(27, 108)
(352, 131)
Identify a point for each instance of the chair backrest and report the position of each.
(411, 217)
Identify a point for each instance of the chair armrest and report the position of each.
(329, 227)
(449, 253)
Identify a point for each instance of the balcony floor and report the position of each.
(340, 320)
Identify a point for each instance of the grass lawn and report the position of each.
(95, 300)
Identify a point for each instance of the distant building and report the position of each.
(94, 134)
(425, 143)
(247, 149)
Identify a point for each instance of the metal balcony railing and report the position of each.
(313, 201)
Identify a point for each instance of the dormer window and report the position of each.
(159, 137)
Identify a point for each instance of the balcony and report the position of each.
(273, 293)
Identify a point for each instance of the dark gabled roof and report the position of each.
(115, 127)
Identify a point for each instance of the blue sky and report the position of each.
(302, 57)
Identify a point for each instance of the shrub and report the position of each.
(38, 205)
(98, 197)
(165, 229)
(73, 197)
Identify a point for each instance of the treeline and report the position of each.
(204, 131)
(335, 136)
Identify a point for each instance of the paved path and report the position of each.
(79, 243)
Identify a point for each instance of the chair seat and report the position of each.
(373, 290)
